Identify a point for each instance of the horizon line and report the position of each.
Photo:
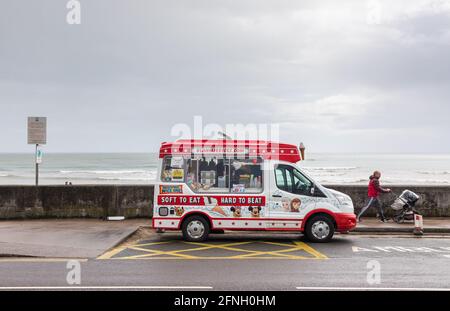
(146, 152)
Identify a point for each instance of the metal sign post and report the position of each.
(37, 165)
(37, 135)
(38, 161)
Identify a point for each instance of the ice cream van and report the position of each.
(206, 186)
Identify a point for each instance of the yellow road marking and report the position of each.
(112, 252)
(292, 247)
(275, 255)
(222, 246)
(214, 258)
(177, 252)
(116, 250)
(153, 243)
(154, 252)
(311, 250)
(233, 246)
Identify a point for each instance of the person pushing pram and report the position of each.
(373, 192)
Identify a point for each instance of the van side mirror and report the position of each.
(313, 189)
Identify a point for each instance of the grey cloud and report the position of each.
(133, 69)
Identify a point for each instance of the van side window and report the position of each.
(208, 174)
(173, 169)
(292, 180)
(221, 175)
(246, 175)
(283, 178)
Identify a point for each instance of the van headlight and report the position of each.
(344, 200)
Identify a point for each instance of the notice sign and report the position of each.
(177, 162)
(39, 154)
(37, 130)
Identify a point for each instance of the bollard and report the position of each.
(418, 224)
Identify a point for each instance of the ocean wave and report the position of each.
(434, 172)
(414, 181)
(328, 175)
(343, 180)
(330, 168)
(385, 182)
(103, 172)
(126, 178)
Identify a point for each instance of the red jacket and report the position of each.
(374, 187)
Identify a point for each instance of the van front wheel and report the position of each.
(319, 229)
(195, 229)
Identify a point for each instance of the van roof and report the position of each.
(252, 148)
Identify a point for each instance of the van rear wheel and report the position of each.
(195, 229)
(319, 229)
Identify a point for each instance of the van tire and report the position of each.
(319, 229)
(195, 228)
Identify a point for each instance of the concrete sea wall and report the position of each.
(434, 200)
(131, 201)
(90, 201)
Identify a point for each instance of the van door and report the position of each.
(291, 197)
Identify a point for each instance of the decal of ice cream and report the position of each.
(210, 201)
(219, 210)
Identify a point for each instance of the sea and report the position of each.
(140, 168)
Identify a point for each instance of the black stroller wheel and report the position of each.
(398, 219)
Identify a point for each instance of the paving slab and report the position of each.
(430, 224)
(74, 238)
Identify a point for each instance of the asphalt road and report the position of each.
(286, 263)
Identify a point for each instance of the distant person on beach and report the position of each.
(373, 192)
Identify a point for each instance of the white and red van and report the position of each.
(213, 185)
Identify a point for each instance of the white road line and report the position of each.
(372, 288)
(447, 256)
(99, 287)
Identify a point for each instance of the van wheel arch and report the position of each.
(320, 214)
(186, 216)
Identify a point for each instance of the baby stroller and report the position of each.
(404, 206)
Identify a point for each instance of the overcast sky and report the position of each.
(341, 76)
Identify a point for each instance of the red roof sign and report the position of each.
(232, 148)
